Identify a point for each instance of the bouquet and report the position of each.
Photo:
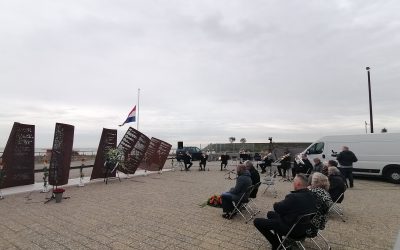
(215, 201)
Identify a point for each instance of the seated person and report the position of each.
(302, 166)
(243, 182)
(187, 160)
(267, 160)
(319, 187)
(203, 161)
(331, 163)
(299, 202)
(257, 157)
(224, 160)
(317, 165)
(255, 177)
(337, 184)
(285, 164)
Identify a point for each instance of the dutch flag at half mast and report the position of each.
(131, 116)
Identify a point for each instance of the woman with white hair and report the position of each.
(319, 187)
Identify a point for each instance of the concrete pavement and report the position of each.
(162, 211)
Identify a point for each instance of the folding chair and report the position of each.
(270, 182)
(241, 203)
(304, 220)
(337, 209)
(324, 239)
(253, 209)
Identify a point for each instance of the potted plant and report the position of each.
(58, 194)
(45, 177)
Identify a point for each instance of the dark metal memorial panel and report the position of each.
(61, 154)
(156, 155)
(18, 156)
(133, 145)
(108, 141)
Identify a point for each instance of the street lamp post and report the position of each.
(371, 123)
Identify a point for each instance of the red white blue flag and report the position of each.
(131, 116)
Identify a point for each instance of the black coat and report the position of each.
(296, 203)
(187, 159)
(337, 186)
(346, 158)
(255, 178)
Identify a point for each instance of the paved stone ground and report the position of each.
(163, 212)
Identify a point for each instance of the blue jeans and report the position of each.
(227, 199)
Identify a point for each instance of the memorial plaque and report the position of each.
(108, 141)
(61, 153)
(18, 156)
(133, 145)
(156, 155)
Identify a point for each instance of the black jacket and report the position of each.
(337, 186)
(187, 159)
(346, 158)
(255, 178)
(296, 203)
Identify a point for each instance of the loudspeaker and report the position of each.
(180, 144)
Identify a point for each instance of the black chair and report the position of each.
(304, 221)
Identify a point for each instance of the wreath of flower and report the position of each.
(215, 201)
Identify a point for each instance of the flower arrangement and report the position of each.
(58, 190)
(215, 201)
(113, 156)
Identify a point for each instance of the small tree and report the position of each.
(243, 140)
(384, 130)
(232, 140)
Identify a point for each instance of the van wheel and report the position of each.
(393, 175)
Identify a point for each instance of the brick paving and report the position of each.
(164, 212)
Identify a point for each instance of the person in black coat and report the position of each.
(346, 158)
(267, 160)
(337, 184)
(243, 182)
(299, 202)
(302, 166)
(255, 177)
(224, 160)
(203, 161)
(187, 160)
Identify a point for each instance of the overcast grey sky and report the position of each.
(207, 70)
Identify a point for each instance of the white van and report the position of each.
(378, 154)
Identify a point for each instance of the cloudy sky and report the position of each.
(207, 70)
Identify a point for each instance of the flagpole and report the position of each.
(137, 124)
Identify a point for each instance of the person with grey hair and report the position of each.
(346, 158)
(337, 184)
(299, 202)
(243, 182)
(255, 177)
(319, 187)
(317, 165)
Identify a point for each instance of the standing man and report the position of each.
(346, 158)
